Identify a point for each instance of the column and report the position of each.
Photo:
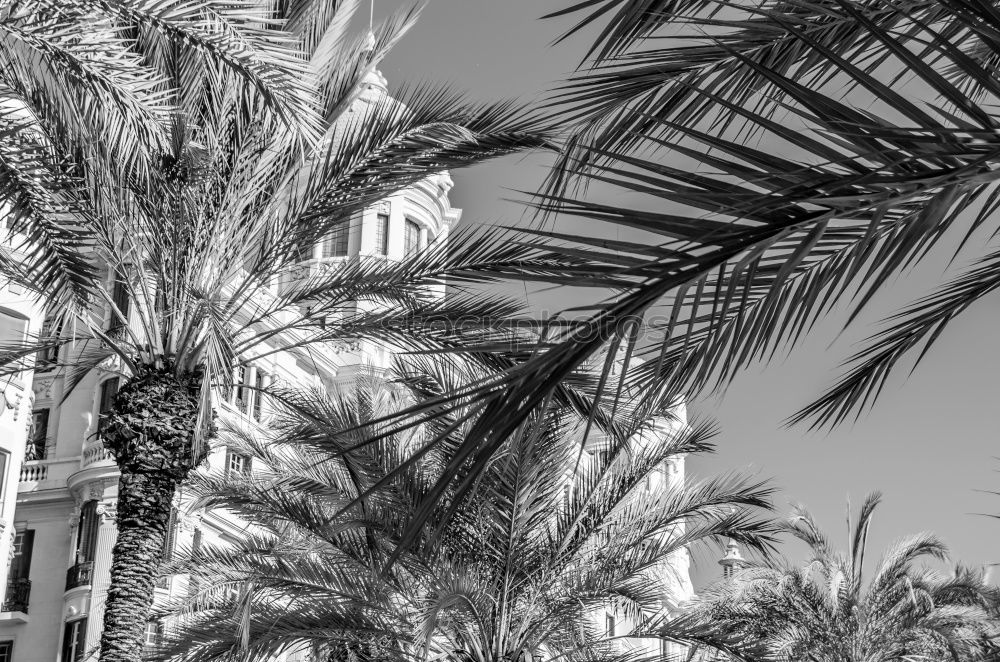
(106, 534)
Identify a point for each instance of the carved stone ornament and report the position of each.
(95, 490)
(74, 518)
(13, 393)
(107, 511)
(112, 364)
(185, 523)
(42, 388)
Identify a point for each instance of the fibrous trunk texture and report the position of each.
(150, 432)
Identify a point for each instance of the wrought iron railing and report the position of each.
(16, 598)
(79, 575)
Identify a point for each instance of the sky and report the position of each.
(930, 445)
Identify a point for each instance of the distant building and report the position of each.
(674, 574)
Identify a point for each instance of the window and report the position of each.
(6, 651)
(154, 634)
(109, 389)
(193, 581)
(241, 389)
(48, 357)
(305, 253)
(20, 562)
(609, 622)
(38, 435)
(237, 463)
(86, 533)
(4, 462)
(259, 381)
(18, 589)
(382, 234)
(170, 535)
(74, 641)
(336, 244)
(120, 299)
(411, 238)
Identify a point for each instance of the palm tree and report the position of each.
(769, 160)
(549, 535)
(165, 165)
(781, 159)
(827, 610)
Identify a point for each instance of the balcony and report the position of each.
(18, 592)
(34, 472)
(79, 575)
(46, 474)
(96, 453)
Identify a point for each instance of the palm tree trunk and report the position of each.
(144, 503)
(150, 430)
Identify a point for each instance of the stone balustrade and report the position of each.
(34, 472)
(45, 474)
(96, 453)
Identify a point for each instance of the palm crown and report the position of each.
(770, 159)
(166, 167)
(827, 609)
(775, 157)
(194, 151)
(546, 537)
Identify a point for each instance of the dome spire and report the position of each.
(732, 561)
(370, 37)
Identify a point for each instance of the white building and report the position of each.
(674, 574)
(19, 318)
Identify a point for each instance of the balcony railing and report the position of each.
(16, 598)
(95, 453)
(79, 575)
(31, 473)
(36, 472)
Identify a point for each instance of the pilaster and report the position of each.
(106, 534)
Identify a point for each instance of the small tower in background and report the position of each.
(733, 561)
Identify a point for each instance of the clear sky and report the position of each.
(931, 443)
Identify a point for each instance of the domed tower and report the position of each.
(733, 561)
(393, 229)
